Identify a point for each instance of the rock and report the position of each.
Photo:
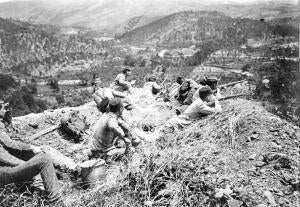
(261, 205)
(223, 192)
(211, 169)
(259, 164)
(148, 203)
(273, 130)
(219, 194)
(284, 162)
(283, 201)
(234, 203)
(254, 136)
(252, 157)
(276, 166)
(270, 197)
(34, 125)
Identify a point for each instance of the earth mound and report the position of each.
(243, 156)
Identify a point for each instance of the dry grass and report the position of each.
(189, 167)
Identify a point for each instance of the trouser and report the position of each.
(114, 154)
(39, 164)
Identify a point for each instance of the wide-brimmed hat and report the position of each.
(152, 78)
(125, 69)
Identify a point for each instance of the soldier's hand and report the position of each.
(35, 149)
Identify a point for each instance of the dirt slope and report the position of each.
(243, 156)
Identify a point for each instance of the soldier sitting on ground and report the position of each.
(121, 84)
(20, 163)
(108, 128)
(103, 95)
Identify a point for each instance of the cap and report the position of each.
(205, 89)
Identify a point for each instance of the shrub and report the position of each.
(283, 89)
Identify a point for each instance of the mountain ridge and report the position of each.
(113, 15)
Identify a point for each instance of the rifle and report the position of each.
(231, 83)
(212, 103)
(162, 83)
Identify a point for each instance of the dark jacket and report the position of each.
(13, 153)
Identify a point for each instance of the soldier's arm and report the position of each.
(125, 126)
(97, 93)
(118, 94)
(206, 110)
(114, 126)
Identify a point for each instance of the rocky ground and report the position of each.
(241, 157)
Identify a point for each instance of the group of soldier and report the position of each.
(113, 137)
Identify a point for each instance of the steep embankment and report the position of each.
(243, 156)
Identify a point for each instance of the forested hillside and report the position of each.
(187, 28)
(25, 48)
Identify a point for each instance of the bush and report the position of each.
(7, 81)
(246, 67)
(282, 89)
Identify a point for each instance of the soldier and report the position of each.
(103, 95)
(121, 83)
(151, 87)
(186, 91)
(212, 82)
(108, 128)
(199, 108)
(5, 113)
(20, 163)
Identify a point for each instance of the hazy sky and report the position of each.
(215, 1)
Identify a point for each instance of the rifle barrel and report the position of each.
(233, 96)
(231, 83)
(226, 98)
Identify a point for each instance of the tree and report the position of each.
(129, 61)
(53, 84)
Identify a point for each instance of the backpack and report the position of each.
(74, 124)
(103, 105)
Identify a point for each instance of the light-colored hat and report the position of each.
(126, 68)
(98, 80)
(152, 78)
(212, 79)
